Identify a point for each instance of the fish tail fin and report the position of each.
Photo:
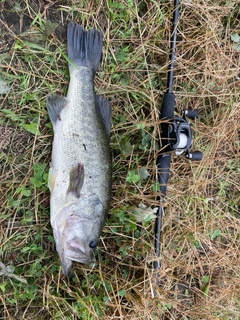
(84, 47)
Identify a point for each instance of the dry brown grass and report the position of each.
(200, 275)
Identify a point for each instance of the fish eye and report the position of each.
(93, 244)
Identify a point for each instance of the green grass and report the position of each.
(200, 275)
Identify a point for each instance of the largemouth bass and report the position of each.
(80, 170)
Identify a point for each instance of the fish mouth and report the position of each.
(80, 253)
(66, 262)
(84, 259)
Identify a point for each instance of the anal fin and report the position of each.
(55, 104)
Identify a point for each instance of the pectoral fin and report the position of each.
(51, 179)
(76, 180)
(55, 104)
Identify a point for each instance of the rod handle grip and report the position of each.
(168, 103)
(163, 166)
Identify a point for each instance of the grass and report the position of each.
(200, 275)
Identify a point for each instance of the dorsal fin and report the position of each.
(104, 109)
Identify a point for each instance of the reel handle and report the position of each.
(194, 156)
(191, 114)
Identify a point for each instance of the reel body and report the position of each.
(179, 137)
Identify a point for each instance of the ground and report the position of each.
(199, 276)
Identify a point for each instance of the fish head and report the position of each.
(77, 229)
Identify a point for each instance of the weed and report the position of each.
(199, 276)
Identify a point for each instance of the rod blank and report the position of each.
(173, 47)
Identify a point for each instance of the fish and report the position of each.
(80, 169)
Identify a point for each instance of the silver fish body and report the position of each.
(80, 171)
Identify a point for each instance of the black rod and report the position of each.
(164, 159)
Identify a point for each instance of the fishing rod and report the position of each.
(175, 135)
